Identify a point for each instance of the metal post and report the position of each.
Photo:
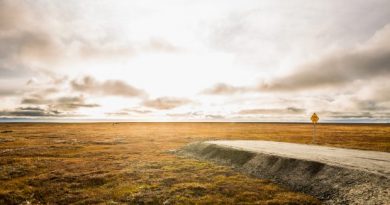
(314, 118)
(314, 134)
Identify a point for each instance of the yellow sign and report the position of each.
(314, 118)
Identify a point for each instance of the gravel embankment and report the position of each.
(334, 175)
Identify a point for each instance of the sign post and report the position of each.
(314, 118)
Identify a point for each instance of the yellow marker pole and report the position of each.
(314, 118)
(314, 134)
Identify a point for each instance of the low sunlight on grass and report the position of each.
(131, 163)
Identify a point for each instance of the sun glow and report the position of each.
(194, 60)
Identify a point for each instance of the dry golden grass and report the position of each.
(128, 163)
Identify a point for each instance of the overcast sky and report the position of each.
(195, 60)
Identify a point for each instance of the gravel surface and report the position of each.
(333, 175)
(371, 161)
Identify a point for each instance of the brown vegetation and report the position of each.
(130, 163)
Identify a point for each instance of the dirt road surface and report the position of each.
(333, 175)
(371, 161)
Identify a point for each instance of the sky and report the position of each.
(195, 60)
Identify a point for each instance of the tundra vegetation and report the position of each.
(132, 163)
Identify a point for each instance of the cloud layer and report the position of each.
(367, 61)
(225, 89)
(289, 110)
(253, 61)
(166, 103)
(30, 112)
(110, 87)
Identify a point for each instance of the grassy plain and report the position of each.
(129, 163)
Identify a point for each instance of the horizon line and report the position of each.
(113, 121)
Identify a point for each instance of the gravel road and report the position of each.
(371, 161)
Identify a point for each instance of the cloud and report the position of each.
(109, 87)
(116, 48)
(62, 103)
(289, 110)
(10, 14)
(129, 112)
(356, 115)
(166, 103)
(215, 117)
(378, 91)
(160, 45)
(23, 42)
(8, 72)
(7, 92)
(225, 89)
(137, 110)
(268, 33)
(187, 115)
(35, 100)
(28, 41)
(39, 34)
(196, 115)
(243, 40)
(33, 45)
(367, 61)
(30, 112)
(109, 47)
(72, 103)
(117, 113)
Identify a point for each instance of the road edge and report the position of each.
(331, 184)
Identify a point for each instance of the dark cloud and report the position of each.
(30, 112)
(62, 103)
(10, 14)
(7, 92)
(368, 105)
(137, 110)
(109, 87)
(353, 115)
(289, 110)
(26, 36)
(166, 103)
(22, 47)
(120, 88)
(295, 110)
(31, 108)
(48, 91)
(40, 34)
(367, 61)
(72, 103)
(27, 42)
(214, 117)
(357, 115)
(224, 89)
(35, 100)
(15, 72)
